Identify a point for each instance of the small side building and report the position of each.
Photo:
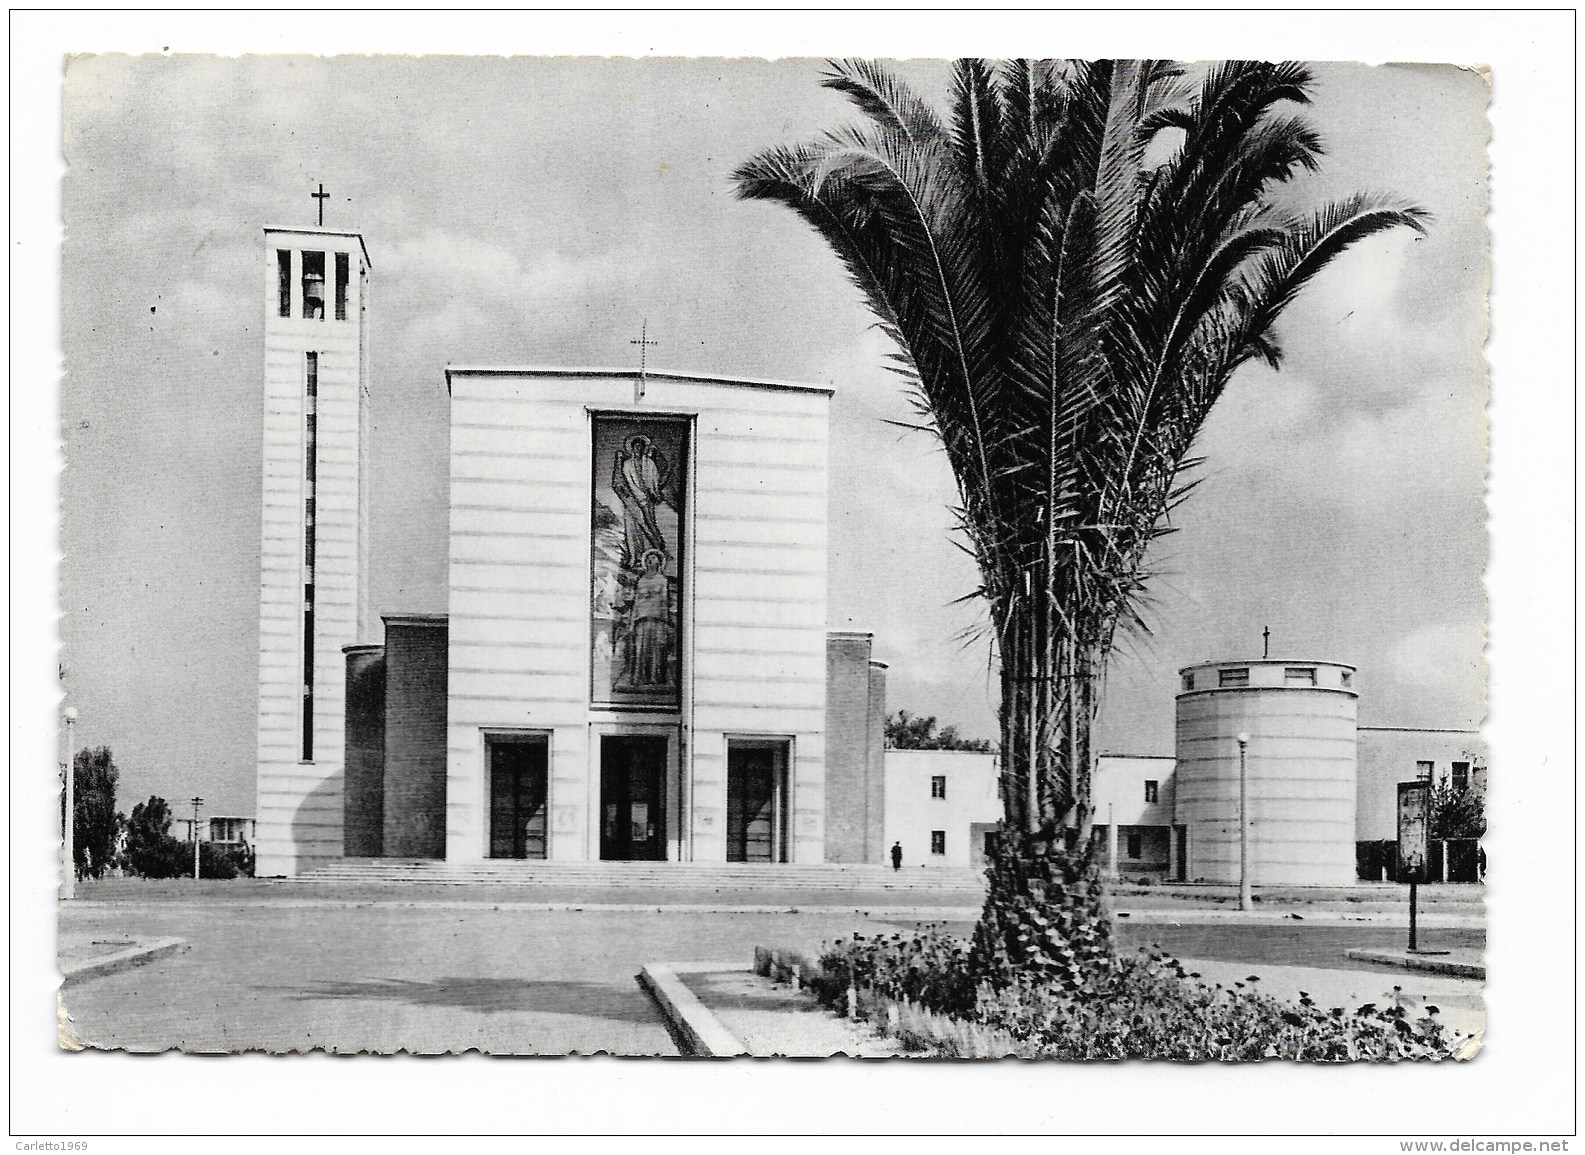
(940, 806)
(1134, 816)
(1389, 755)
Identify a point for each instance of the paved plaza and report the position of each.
(384, 979)
(285, 969)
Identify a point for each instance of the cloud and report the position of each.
(1439, 659)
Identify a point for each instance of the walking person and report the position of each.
(897, 856)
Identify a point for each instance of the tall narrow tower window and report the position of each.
(314, 286)
(283, 274)
(310, 483)
(343, 272)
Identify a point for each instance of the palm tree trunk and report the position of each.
(1015, 711)
(1034, 724)
(1047, 710)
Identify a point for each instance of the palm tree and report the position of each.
(1072, 268)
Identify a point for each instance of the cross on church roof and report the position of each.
(321, 196)
(643, 342)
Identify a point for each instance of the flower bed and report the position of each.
(919, 989)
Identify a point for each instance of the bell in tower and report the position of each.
(314, 286)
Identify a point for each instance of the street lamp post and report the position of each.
(1245, 901)
(69, 833)
(197, 802)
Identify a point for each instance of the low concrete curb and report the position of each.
(1170, 917)
(135, 955)
(911, 913)
(1164, 916)
(1417, 962)
(698, 1032)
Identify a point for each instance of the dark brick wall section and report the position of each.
(415, 738)
(363, 795)
(875, 848)
(848, 794)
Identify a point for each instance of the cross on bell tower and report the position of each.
(643, 342)
(1265, 635)
(321, 196)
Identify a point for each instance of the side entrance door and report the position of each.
(633, 797)
(518, 772)
(756, 792)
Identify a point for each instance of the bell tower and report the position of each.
(313, 580)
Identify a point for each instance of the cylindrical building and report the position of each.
(1299, 718)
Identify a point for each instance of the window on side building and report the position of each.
(938, 842)
(1460, 776)
(1152, 789)
(938, 786)
(1135, 844)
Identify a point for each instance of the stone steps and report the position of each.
(689, 875)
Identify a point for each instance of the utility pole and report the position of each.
(1245, 899)
(69, 834)
(197, 802)
(1111, 840)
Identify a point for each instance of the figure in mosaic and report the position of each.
(639, 482)
(649, 646)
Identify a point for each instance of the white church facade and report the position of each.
(638, 616)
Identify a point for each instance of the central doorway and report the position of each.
(518, 795)
(633, 797)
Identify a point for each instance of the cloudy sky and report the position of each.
(523, 211)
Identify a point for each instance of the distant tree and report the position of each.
(151, 851)
(1457, 812)
(95, 822)
(908, 732)
(223, 862)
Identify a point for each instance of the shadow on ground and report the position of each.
(621, 1003)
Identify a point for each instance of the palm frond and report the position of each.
(1312, 245)
(884, 98)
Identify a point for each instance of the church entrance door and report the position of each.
(756, 793)
(633, 797)
(518, 796)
